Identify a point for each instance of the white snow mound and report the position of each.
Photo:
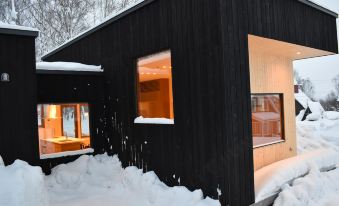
(269, 180)
(100, 180)
(22, 185)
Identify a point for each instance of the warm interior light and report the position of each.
(52, 112)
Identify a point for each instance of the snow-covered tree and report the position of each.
(307, 87)
(59, 20)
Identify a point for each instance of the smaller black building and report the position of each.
(18, 96)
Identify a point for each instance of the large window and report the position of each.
(155, 99)
(267, 119)
(63, 128)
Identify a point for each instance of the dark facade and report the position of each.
(61, 87)
(18, 96)
(210, 144)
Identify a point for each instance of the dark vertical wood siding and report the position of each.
(294, 22)
(18, 123)
(210, 145)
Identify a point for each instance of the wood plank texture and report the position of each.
(210, 144)
(18, 122)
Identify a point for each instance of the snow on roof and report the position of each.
(302, 98)
(67, 66)
(316, 107)
(16, 27)
(98, 26)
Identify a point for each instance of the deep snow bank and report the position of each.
(316, 188)
(100, 180)
(271, 179)
(22, 185)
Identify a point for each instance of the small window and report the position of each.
(267, 119)
(154, 87)
(63, 128)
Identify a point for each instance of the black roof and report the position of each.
(142, 4)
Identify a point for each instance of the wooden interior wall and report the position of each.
(18, 122)
(274, 74)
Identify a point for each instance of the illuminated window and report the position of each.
(155, 99)
(267, 119)
(63, 128)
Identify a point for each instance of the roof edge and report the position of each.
(19, 32)
(319, 7)
(101, 25)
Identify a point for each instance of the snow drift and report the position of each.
(22, 185)
(269, 180)
(100, 180)
(91, 180)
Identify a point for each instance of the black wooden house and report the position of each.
(175, 95)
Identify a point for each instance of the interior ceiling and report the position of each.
(155, 67)
(280, 48)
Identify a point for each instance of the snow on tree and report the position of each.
(58, 20)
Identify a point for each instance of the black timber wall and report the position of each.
(210, 144)
(74, 88)
(294, 22)
(18, 122)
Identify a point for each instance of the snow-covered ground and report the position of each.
(91, 180)
(311, 178)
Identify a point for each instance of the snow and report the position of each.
(22, 185)
(142, 120)
(316, 107)
(312, 177)
(67, 66)
(331, 115)
(269, 180)
(68, 153)
(91, 180)
(100, 180)
(1, 162)
(313, 117)
(302, 98)
(15, 27)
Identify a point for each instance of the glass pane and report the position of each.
(63, 127)
(155, 99)
(84, 120)
(68, 121)
(266, 119)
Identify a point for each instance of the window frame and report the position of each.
(74, 152)
(137, 89)
(282, 119)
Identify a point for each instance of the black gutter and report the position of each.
(19, 32)
(316, 6)
(100, 26)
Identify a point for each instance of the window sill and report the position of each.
(66, 154)
(141, 120)
(268, 144)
